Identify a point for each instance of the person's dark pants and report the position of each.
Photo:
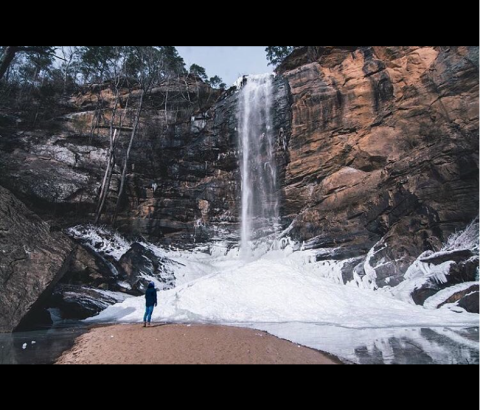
(148, 314)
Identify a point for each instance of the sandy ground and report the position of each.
(179, 344)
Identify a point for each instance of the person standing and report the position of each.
(151, 303)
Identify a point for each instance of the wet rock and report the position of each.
(456, 256)
(351, 267)
(465, 298)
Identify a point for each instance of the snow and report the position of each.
(124, 285)
(24, 347)
(290, 295)
(101, 240)
(467, 239)
(118, 296)
(279, 288)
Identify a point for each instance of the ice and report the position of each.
(279, 288)
(290, 295)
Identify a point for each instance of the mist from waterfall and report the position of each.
(260, 202)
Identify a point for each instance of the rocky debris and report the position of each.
(139, 265)
(79, 302)
(104, 267)
(32, 260)
(90, 269)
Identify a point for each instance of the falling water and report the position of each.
(260, 204)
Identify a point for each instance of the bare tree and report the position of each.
(114, 133)
(127, 154)
(118, 66)
(148, 74)
(69, 54)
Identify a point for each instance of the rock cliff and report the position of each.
(383, 149)
(377, 149)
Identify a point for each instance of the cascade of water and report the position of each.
(260, 204)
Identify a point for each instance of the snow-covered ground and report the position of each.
(291, 296)
(279, 288)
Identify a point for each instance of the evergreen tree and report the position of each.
(277, 54)
(217, 82)
(199, 72)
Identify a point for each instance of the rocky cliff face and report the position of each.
(383, 150)
(32, 261)
(183, 181)
(182, 169)
(377, 151)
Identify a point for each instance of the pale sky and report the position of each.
(228, 62)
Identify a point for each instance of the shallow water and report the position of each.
(439, 345)
(38, 347)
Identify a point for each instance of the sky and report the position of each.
(228, 62)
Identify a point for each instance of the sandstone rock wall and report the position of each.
(384, 144)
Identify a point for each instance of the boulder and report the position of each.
(79, 302)
(32, 261)
(139, 264)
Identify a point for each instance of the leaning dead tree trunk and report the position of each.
(96, 118)
(107, 179)
(127, 156)
(110, 161)
(111, 166)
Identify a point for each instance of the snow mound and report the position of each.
(278, 291)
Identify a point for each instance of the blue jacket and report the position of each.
(151, 297)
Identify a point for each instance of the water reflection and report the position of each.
(361, 346)
(385, 346)
(38, 347)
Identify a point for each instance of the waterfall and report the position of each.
(260, 203)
